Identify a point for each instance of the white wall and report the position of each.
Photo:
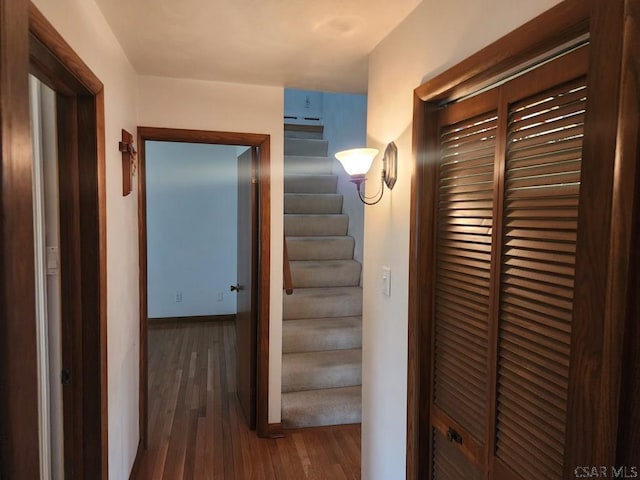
(344, 117)
(192, 225)
(435, 36)
(82, 25)
(219, 106)
(345, 126)
(304, 105)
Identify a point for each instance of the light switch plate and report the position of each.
(53, 261)
(386, 281)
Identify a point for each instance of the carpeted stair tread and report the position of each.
(292, 130)
(302, 183)
(312, 203)
(325, 273)
(322, 302)
(316, 334)
(305, 146)
(315, 225)
(320, 248)
(309, 165)
(331, 406)
(322, 327)
(323, 369)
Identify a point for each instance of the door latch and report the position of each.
(454, 436)
(65, 377)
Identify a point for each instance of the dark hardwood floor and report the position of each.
(196, 428)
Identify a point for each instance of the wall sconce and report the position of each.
(357, 163)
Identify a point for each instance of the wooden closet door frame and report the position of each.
(31, 44)
(604, 240)
(19, 441)
(627, 188)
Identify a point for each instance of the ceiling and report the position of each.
(307, 44)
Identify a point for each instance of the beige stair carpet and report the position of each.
(322, 319)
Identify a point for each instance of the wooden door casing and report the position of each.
(19, 453)
(81, 172)
(262, 242)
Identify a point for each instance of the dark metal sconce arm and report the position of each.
(388, 178)
(359, 180)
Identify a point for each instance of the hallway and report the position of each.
(196, 429)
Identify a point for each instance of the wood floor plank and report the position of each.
(197, 430)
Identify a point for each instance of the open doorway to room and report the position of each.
(68, 247)
(192, 216)
(204, 283)
(48, 285)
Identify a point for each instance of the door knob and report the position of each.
(235, 288)
(454, 436)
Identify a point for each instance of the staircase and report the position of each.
(322, 322)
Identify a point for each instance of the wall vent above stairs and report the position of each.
(322, 319)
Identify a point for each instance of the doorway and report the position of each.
(256, 324)
(82, 255)
(81, 165)
(48, 286)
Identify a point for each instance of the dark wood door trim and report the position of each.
(19, 455)
(625, 243)
(47, 55)
(602, 314)
(596, 338)
(262, 142)
(40, 27)
(81, 152)
(561, 24)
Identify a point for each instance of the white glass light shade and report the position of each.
(357, 161)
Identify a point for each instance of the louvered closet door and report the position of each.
(507, 209)
(540, 218)
(465, 211)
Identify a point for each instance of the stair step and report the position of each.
(320, 248)
(314, 408)
(322, 331)
(326, 369)
(300, 183)
(307, 165)
(305, 146)
(303, 131)
(325, 273)
(312, 203)
(315, 225)
(316, 334)
(317, 135)
(322, 302)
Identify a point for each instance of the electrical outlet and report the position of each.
(178, 297)
(219, 297)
